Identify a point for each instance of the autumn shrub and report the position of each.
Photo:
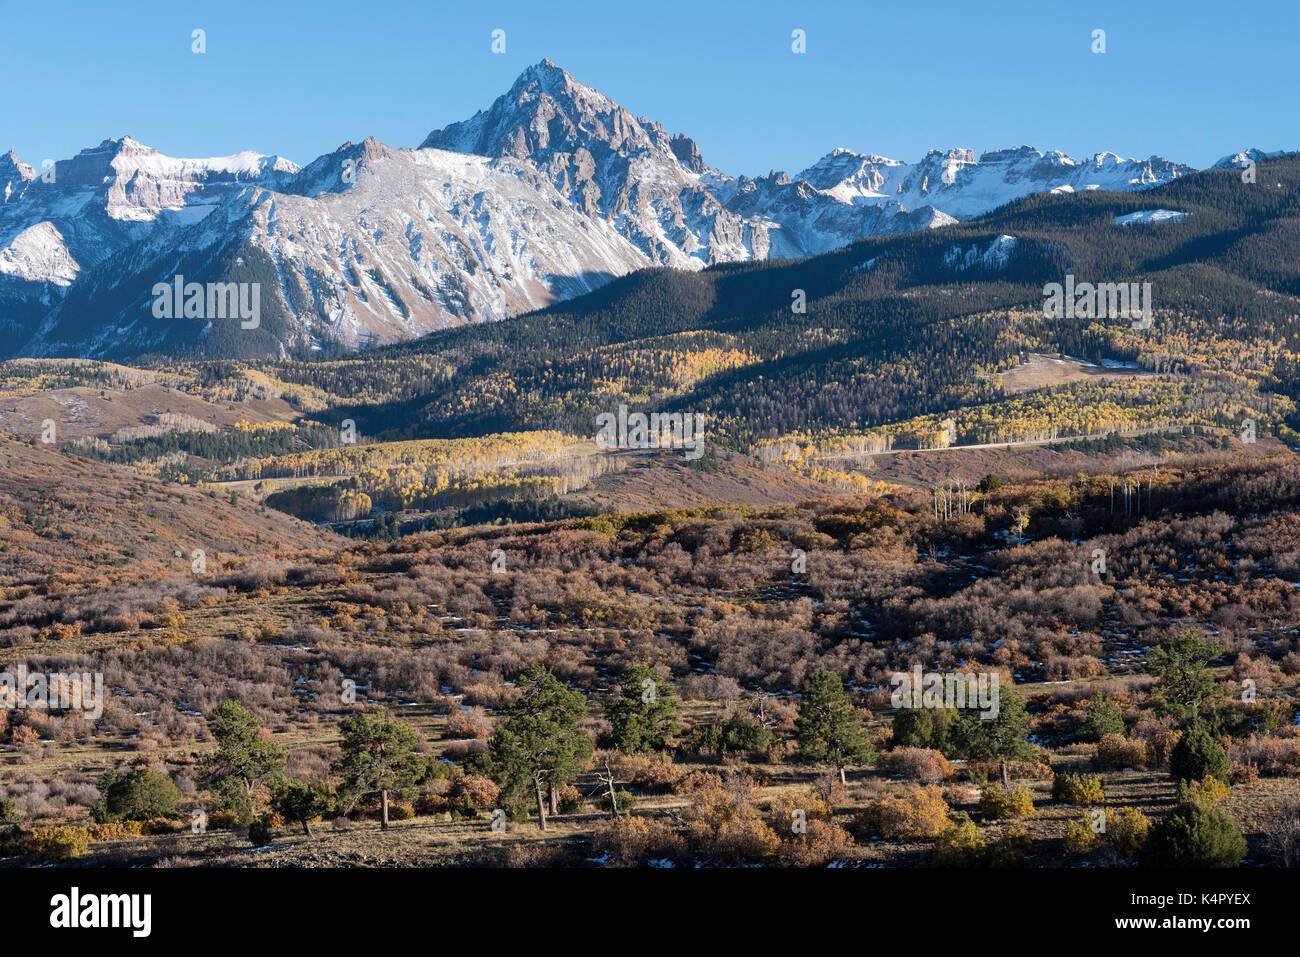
(997, 802)
(570, 800)
(919, 813)
(475, 791)
(1281, 829)
(59, 843)
(1128, 831)
(1081, 837)
(535, 856)
(469, 723)
(156, 826)
(1269, 755)
(724, 824)
(1208, 790)
(960, 845)
(464, 750)
(222, 820)
(1083, 789)
(1116, 752)
(1242, 773)
(1159, 736)
(1011, 848)
(427, 804)
(924, 765)
(821, 843)
(796, 806)
(631, 841)
(114, 830)
(651, 773)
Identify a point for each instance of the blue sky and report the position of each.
(1191, 81)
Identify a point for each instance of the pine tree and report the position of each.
(1103, 719)
(539, 747)
(645, 713)
(1001, 738)
(1185, 688)
(242, 760)
(829, 729)
(376, 759)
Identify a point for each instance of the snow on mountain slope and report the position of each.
(14, 176)
(626, 170)
(112, 195)
(995, 254)
(38, 253)
(962, 186)
(427, 237)
(551, 191)
(369, 244)
(1150, 216)
(1245, 158)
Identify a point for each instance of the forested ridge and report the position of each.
(891, 329)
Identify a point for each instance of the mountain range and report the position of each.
(551, 192)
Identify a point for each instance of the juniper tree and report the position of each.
(1103, 719)
(924, 728)
(138, 795)
(1199, 754)
(302, 801)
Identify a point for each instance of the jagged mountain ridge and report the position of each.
(551, 191)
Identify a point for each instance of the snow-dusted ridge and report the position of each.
(549, 192)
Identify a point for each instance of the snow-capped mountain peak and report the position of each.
(550, 191)
(1244, 158)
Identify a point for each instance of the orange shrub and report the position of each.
(724, 823)
(631, 841)
(476, 791)
(783, 811)
(1116, 752)
(115, 830)
(58, 843)
(917, 764)
(822, 843)
(995, 802)
(469, 723)
(648, 772)
(919, 813)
